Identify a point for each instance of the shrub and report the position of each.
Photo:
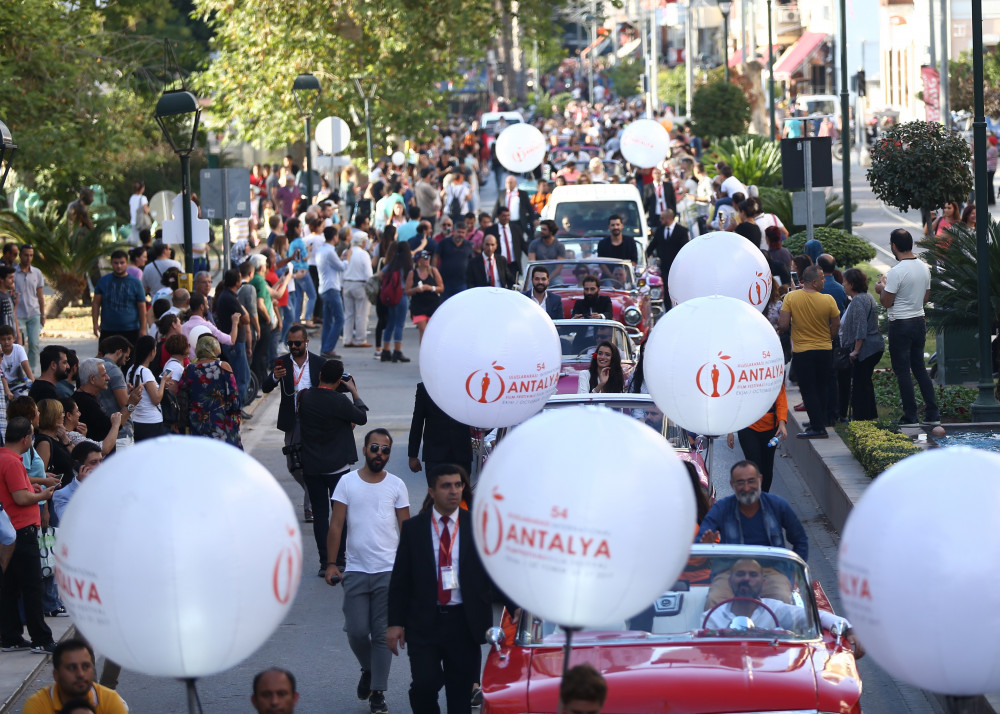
(876, 447)
(779, 202)
(719, 109)
(847, 249)
(920, 164)
(954, 400)
(955, 275)
(756, 161)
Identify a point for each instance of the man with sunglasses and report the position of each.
(361, 500)
(296, 371)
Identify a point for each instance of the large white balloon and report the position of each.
(332, 135)
(562, 531)
(520, 148)
(645, 143)
(490, 357)
(738, 270)
(714, 365)
(398, 158)
(917, 571)
(179, 557)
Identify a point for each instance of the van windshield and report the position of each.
(590, 218)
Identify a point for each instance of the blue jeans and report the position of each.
(333, 318)
(906, 351)
(287, 319)
(394, 324)
(31, 329)
(303, 288)
(236, 355)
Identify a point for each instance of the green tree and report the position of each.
(960, 86)
(719, 109)
(955, 277)
(920, 164)
(847, 249)
(755, 159)
(625, 77)
(673, 87)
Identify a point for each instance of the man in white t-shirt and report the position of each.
(903, 292)
(730, 184)
(374, 503)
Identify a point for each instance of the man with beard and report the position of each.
(539, 292)
(617, 245)
(361, 500)
(73, 672)
(593, 304)
(746, 578)
(119, 303)
(54, 361)
(752, 517)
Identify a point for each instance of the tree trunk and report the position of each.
(68, 288)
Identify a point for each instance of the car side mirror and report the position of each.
(837, 630)
(495, 638)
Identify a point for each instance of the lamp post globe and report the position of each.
(306, 90)
(178, 114)
(724, 7)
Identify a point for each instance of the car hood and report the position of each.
(686, 679)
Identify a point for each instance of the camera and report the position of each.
(293, 452)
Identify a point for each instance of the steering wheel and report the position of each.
(708, 615)
(585, 352)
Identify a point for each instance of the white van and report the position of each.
(583, 211)
(491, 120)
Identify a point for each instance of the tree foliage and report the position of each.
(920, 164)
(955, 277)
(756, 160)
(719, 109)
(961, 87)
(847, 249)
(779, 202)
(625, 77)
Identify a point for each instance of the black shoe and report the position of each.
(365, 685)
(397, 356)
(931, 422)
(330, 355)
(322, 571)
(386, 356)
(813, 434)
(376, 703)
(47, 648)
(58, 612)
(245, 417)
(908, 424)
(477, 697)
(307, 515)
(21, 646)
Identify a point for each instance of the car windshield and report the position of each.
(579, 339)
(716, 596)
(590, 218)
(647, 412)
(570, 273)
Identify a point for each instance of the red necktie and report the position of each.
(506, 237)
(444, 560)
(508, 200)
(490, 271)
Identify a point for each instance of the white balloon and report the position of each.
(714, 365)
(917, 571)
(562, 532)
(645, 143)
(398, 158)
(520, 148)
(179, 557)
(738, 270)
(332, 135)
(490, 357)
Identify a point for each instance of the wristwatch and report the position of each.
(130, 407)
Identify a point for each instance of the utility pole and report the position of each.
(644, 45)
(770, 72)
(845, 118)
(654, 61)
(689, 52)
(945, 54)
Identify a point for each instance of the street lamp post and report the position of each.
(770, 70)
(177, 113)
(724, 7)
(985, 408)
(366, 96)
(845, 117)
(304, 86)
(7, 149)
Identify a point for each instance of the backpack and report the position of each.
(455, 207)
(391, 291)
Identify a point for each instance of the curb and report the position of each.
(35, 671)
(837, 482)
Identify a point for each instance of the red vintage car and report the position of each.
(579, 338)
(630, 301)
(686, 654)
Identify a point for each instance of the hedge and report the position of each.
(847, 249)
(877, 448)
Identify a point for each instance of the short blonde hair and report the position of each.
(207, 347)
(49, 411)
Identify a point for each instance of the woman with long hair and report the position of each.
(385, 252)
(51, 442)
(147, 417)
(859, 331)
(401, 264)
(348, 191)
(424, 287)
(605, 372)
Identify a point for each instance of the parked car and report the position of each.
(682, 656)
(580, 338)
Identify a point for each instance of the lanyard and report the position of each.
(301, 371)
(454, 536)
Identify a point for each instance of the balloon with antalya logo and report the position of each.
(490, 357)
(645, 143)
(736, 269)
(917, 571)
(179, 557)
(520, 148)
(573, 547)
(714, 365)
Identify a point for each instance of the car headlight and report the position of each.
(656, 293)
(632, 316)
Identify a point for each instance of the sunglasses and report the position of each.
(295, 343)
(374, 448)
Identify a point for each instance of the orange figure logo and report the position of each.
(490, 387)
(716, 378)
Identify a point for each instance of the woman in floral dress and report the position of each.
(208, 391)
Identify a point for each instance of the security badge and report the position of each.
(449, 578)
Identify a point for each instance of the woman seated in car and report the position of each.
(605, 373)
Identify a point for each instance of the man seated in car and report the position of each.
(746, 578)
(593, 304)
(619, 278)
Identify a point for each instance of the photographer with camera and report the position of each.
(327, 417)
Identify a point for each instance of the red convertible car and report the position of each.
(630, 301)
(579, 338)
(689, 652)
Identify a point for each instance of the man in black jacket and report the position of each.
(668, 239)
(326, 419)
(295, 371)
(539, 292)
(440, 600)
(593, 304)
(510, 239)
(658, 196)
(517, 202)
(446, 440)
(488, 270)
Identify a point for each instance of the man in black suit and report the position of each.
(440, 598)
(295, 371)
(539, 292)
(510, 240)
(668, 239)
(517, 202)
(446, 440)
(488, 270)
(593, 304)
(658, 196)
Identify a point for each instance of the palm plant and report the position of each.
(779, 202)
(955, 278)
(756, 161)
(64, 255)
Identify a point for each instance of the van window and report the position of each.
(590, 218)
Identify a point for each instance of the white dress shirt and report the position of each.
(496, 273)
(513, 203)
(456, 594)
(506, 242)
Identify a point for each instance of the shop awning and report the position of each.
(798, 54)
(629, 48)
(737, 57)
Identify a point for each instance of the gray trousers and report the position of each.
(366, 617)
